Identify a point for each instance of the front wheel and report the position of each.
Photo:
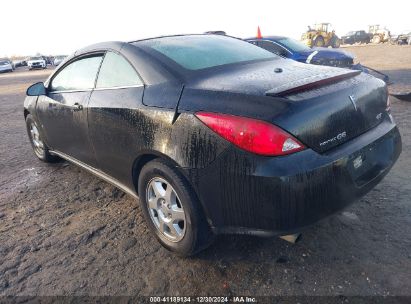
(376, 39)
(319, 42)
(39, 147)
(172, 209)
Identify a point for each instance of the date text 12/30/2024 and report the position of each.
(200, 299)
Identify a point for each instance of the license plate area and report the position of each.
(369, 162)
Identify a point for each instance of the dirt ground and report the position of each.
(65, 232)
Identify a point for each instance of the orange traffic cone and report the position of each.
(259, 36)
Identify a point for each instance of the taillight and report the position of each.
(388, 108)
(252, 135)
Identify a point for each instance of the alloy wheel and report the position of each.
(165, 209)
(38, 144)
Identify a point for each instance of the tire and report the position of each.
(335, 43)
(319, 42)
(189, 235)
(376, 39)
(40, 149)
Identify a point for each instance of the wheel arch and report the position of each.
(26, 112)
(148, 156)
(144, 158)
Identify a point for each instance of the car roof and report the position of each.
(107, 45)
(118, 45)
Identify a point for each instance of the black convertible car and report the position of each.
(214, 134)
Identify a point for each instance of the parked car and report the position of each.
(58, 59)
(6, 66)
(402, 39)
(36, 63)
(215, 135)
(298, 51)
(47, 59)
(356, 37)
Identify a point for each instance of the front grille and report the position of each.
(342, 63)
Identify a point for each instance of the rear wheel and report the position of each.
(172, 210)
(336, 42)
(318, 41)
(39, 147)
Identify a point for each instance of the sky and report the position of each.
(53, 27)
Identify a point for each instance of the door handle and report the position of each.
(78, 107)
(75, 107)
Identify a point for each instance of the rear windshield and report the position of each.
(36, 58)
(206, 51)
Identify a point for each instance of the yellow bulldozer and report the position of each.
(321, 35)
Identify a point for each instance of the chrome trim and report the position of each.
(96, 172)
(70, 91)
(118, 88)
(97, 89)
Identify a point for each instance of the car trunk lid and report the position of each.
(325, 114)
(321, 106)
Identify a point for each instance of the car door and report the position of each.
(115, 122)
(62, 112)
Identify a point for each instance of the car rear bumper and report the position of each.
(244, 193)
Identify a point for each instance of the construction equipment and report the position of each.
(321, 35)
(378, 34)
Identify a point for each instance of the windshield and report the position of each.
(3, 62)
(293, 45)
(350, 34)
(36, 58)
(205, 51)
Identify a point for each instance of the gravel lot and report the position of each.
(65, 232)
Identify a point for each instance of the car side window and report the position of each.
(78, 75)
(116, 71)
(273, 48)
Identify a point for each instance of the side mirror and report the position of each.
(36, 89)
